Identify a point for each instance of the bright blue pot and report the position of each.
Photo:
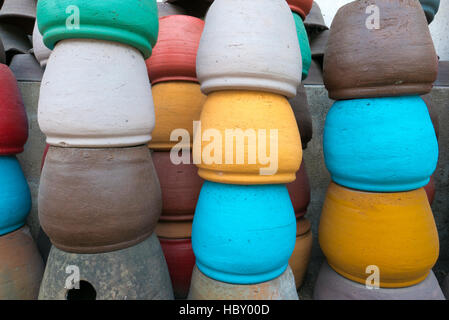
(15, 197)
(243, 234)
(380, 144)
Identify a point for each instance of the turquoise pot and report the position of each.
(430, 8)
(133, 22)
(306, 53)
(380, 144)
(243, 234)
(15, 197)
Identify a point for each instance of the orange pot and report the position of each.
(303, 248)
(301, 7)
(174, 229)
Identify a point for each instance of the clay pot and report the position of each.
(380, 144)
(2, 53)
(136, 273)
(430, 8)
(136, 25)
(332, 286)
(299, 191)
(26, 68)
(430, 190)
(180, 185)
(41, 52)
(21, 13)
(168, 9)
(249, 45)
(397, 59)
(176, 104)
(315, 73)
(318, 43)
(44, 155)
(304, 45)
(14, 41)
(15, 197)
(180, 262)
(21, 268)
(87, 117)
(114, 203)
(174, 229)
(300, 108)
(174, 56)
(433, 114)
(303, 248)
(253, 113)
(394, 231)
(243, 234)
(301, 7)
(205, 288)
(315, 20)
(13, 117)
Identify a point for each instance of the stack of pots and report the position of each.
(377, 227)
(22, 266)
(99, 195)
(244, 228)
(177, 101)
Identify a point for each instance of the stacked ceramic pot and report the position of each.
(247, 149)
(21, 265)
(377, 228)
(178, 101)
(99, 195)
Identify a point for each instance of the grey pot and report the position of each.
(314, 19)
(14, 41)
(21, 13)
(26, 68)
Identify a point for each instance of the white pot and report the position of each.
(41, 52)
(96, 93)
(249, 45)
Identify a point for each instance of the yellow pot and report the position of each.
(301, 255)
(394, 231)
(176, 105)
(265, 117)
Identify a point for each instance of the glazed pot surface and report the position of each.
(98, 200)
(394, 231)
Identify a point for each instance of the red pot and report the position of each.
(13, 118)
(430, 190)
(174, 56)
(180, 186)
(301, 7)
(299, 191)
(180, 261)
(44, 155)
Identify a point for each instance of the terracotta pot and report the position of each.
(303, 248)
(180, 262)
(44, 155)
(249, 45)
(304, 45)
(86, 116)
(174, 56)
(21, 13)
(430, 8)
(180, 185)
(13, 117)
(299, 191)
(430, 190)
(15, 197)
(397, 59)
(174, 229)
(205, 288)
(332, 286)
(300, 108)
(380, 144)
(41, 52)
(433, 114)
(301, 7)
(114, 203)
(253, 113)
(136, 273)
(177, 104)
(168, 9)
(394, 231)
(21, 268)
(136, 25)
(243, 234)
(314, 20)
(26, 68)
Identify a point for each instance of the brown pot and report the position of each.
(204, 288)
(430, 190)
(98, 200)
(303, 248)
(397, 59)
(174, 229)
(299, 191)
(180, 185)
(300, 107)
(21, 266)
